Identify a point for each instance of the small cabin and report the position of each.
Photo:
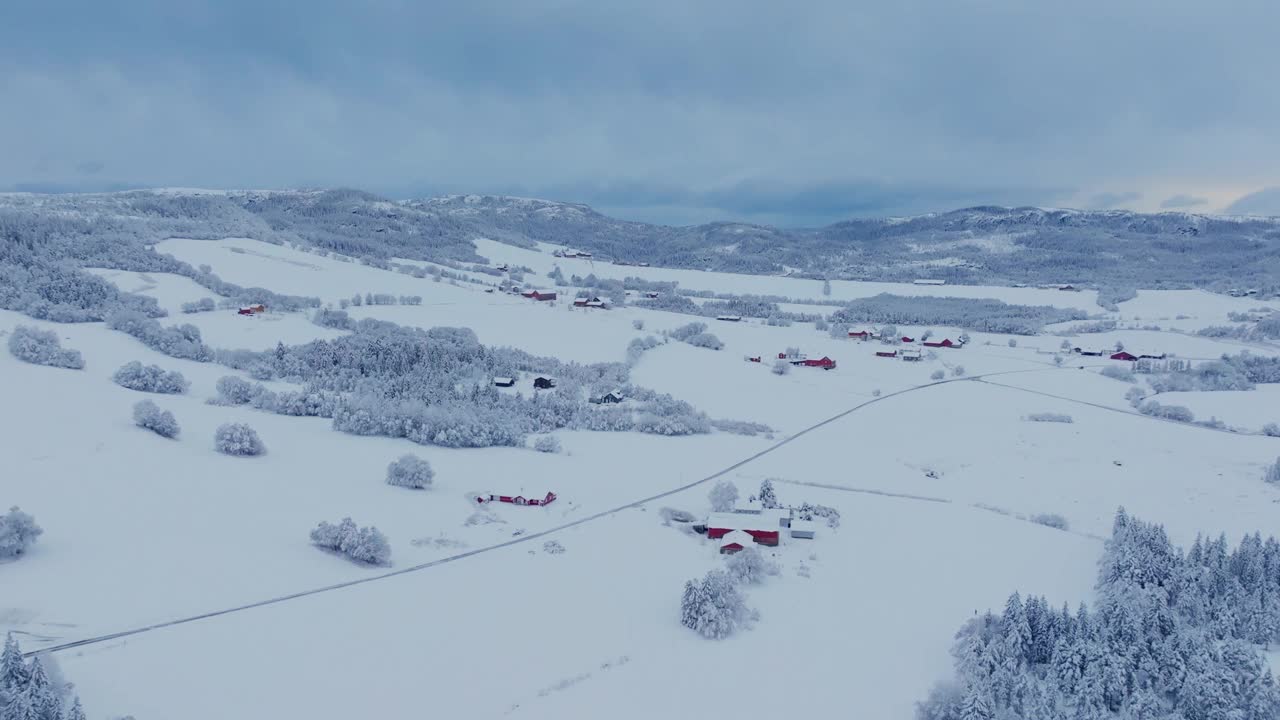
(544, 383)
(609, 398)
(887, 353)
(651, 295)
(911, 355)
(539, 296)
(1123, 355)
(906, 339)
(729, 318)
(754, 359)
(859, 335)
(252, 309)
(805, 529)
(504, 382)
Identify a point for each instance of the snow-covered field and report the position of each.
(935, 481)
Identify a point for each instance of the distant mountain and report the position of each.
(1113, 248)
(981, 245)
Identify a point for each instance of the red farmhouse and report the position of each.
(517, 499)
(541, 296)
(859, 334)
(1122, 355)
(944, 343)
(759, 528)
(825, 363)
(906, 339)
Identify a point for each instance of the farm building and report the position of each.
(928, 281)
(943, 343)
(539, 296)
(735, 541)
(1123, 355)
(252, 309)
(613, 396)
(803, 529)
(887, 353)
(544, 383)
(906, 339)
(859, 335)
(752, 507)
(824, 362)
(549, 498)
(763, 529)
(651, 295)
(589, 302)
(754, 359)
(911, 355)
(1144, 356)
(729, 318)
(1089, 353)
(504, 381)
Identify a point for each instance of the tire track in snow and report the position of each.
(98, 639)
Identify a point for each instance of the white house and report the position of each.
(803, 529)
(735, 541)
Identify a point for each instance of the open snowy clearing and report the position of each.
(936, 482)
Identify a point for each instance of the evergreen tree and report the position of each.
(976, 704)
(768, 498)
(76, 712)
(13, 671)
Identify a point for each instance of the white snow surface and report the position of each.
(934, 482)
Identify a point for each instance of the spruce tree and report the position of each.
(13, 671)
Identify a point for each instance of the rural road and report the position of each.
(97, 639)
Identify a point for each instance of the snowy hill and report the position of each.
(167, 566)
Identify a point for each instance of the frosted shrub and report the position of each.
(199, 306)
(723, 495)
(957, 371)
(1272, 475)
(714, 607)
(366, 545)
(1052, 520)
(1271, 430)
(637, 324)
(18, 531)
(705, 340)
(41, 347)
(150, 378)
(749, 566)
(238, 439)
(875, 393)
(148, 415)
(1050, 417)
(781, 367)
(1135, 396)
(741, 427)
(1177, 413)
(234, 390)
(1013, 342)
(547, 444)
(410, 471)
(821, 325)
(181, 341)
(1116, 372)
(937, 375)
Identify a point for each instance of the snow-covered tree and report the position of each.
(957, 371)
(547, 444)
(13, 670)
(238, 439)
(768, 497)
(150, 378)
(714, 606)
(234, 390)
(1013, 342)
(366, 545)
(199, 306)
(937, 375)
(410, 471)
(42, 347)
(148, 415)
(637, 324)
(18, 531)
(1272, 475)
(723, 495)
(781, 367)
(1271, 430)
(749, 566)
(1065, 346)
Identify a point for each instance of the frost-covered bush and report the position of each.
(1272, 475)
(670, 515)
(150, 378)
(367, 545)
(714, 606)
(957, 371)
(234, 390)
(41, 347)
(937, 375)
(1050, 417)
(1271, 430)
(1115, 372)
(1013, 342)
(778, 320)
(821, 325)
(705, 340)
(781, 367)
(18, 531)
(684, 332)
(987, 315)
(637, 347)
(336, 319)
(410, 471)
(876, 392)
(1135, 396)
(1167, 412)
(1052, 520)
(547, 444)
(199, 306)
(741, 427)
(749, 566)
(181, 341)
(148, 415)
(723, 495)
(238, 439)
(809, 511)
(637, 324)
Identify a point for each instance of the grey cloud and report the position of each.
(1263, 202)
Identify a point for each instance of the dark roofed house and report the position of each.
(544, 383)
(504, 381)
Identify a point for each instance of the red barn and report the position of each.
(757, 526)
(1122, 355)
(735, 541)
(887, 353)
(944, 343)
(859, 334)
(518, 499)
(906, 339)
(540, 296)
(825, 363)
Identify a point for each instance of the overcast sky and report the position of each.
(666, 110)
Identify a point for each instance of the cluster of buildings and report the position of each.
(751, 523)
